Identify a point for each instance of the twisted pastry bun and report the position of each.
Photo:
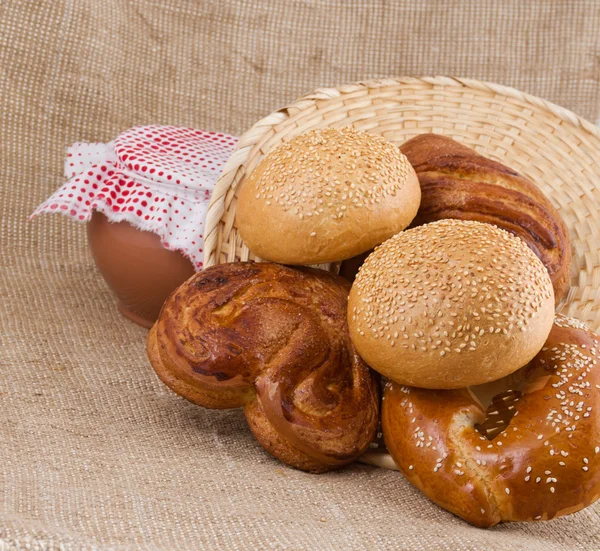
(274, 341)
(545, 464)
(457, 182)
(326, 195)
(450, 304)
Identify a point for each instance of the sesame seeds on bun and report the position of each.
(450, 304)
(325, 196)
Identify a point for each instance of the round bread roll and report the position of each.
(545, 463)
(325, 196)
(450, 304)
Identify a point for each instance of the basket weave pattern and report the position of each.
(552, 146)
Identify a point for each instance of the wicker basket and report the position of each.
(554, 147)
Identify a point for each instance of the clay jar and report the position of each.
(137, 268)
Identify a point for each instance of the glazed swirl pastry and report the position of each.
(456, 182)
(273, 340)
(546, 463)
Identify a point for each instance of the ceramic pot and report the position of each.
(136, 267)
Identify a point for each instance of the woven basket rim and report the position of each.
(255, 134)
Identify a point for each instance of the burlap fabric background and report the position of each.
(94, 451)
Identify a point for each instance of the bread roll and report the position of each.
(325, 196)
(274, 341)
(457, 182)
(450, 304)
(544, 464)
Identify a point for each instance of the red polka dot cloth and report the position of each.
(157, 178)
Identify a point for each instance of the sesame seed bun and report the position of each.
(450, 304)
(326, 195)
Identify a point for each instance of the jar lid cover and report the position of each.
(157, 178)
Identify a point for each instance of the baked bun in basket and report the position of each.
(450, 304)
(273, 340)
(325, 196)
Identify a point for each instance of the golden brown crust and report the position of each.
(450, 304)
(274, 340)
(545, 464)
(457, 182)
(275, 443)
(326, 195)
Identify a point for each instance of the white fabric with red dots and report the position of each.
(157, 178)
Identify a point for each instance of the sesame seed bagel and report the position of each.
(325, 196)
(544, 464)
(450, 304)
